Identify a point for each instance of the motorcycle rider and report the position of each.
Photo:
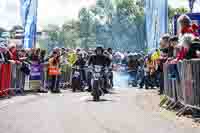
(100, 59)
(81, 63)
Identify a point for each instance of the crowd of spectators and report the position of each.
(173, 49)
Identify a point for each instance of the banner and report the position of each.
(35, 72)
(156, 17)
(29, 20)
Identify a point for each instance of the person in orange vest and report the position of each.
(54, 72)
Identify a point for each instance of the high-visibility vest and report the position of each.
(155, 56)
(53, 71)
(72, 58)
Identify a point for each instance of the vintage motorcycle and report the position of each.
(77, 79)
(97, 82)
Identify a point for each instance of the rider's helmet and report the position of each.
(99, 50)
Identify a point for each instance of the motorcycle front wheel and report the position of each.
(75, 84)
(95, 91)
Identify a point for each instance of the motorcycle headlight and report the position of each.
(97, 69)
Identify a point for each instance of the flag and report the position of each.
(29, 20)
(156, 18)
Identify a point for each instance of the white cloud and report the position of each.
(54, 11)
(178, 3)
(9, 13)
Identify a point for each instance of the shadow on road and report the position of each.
(101, 100)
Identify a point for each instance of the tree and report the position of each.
(130, 15)
(87, 18)
(53, 32)
(70, 34)
(174, 11)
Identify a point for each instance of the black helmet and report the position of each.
(99, 48)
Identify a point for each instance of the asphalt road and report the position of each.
(76, 113)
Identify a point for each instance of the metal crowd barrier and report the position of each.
(169, 84)
(66, 70)
(5, 79)
(13, 81)
(185, 87)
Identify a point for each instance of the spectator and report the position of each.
(42, 56)
(164, 42)
(54, 72)
(186, 41)
(187, 27)
(173, 42)
(193, 49)
(163, 58)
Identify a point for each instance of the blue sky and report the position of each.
(51, 11)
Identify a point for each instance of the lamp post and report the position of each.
(191, 5)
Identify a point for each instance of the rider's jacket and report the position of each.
(101, 60)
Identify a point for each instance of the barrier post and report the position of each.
(5, 82)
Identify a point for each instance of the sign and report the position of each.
(35, 72)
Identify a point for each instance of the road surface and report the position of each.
(76, 113)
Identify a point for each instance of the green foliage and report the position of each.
(174, 11)
(70, 34)
(131, 16)
(114, 23)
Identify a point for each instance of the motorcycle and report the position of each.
(97, 82)
(77, 83)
